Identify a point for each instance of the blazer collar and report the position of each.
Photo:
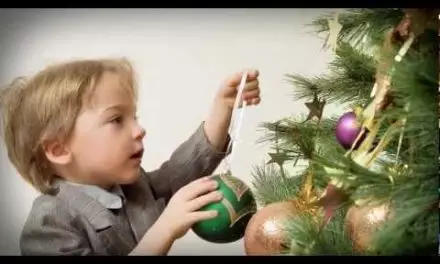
(112, 199)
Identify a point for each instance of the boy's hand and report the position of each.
(181, 212)
(229, 89)
(219, 118)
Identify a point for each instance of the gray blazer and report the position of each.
(73, 223)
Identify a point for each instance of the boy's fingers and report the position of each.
(235, 78)
(253, 74)
(203, 200)
(254, 101)
(197, 188)
(203, 179)
(197, 216)
(251, 85)
(250, 94)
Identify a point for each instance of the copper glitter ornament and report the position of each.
(363, 221)
(265, 232)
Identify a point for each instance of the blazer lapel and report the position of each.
(109, 231)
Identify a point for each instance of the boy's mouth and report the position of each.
(137, 155)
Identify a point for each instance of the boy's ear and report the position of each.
(57, 153)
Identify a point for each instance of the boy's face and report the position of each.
(106, 144)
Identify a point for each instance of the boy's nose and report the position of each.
(139, 132)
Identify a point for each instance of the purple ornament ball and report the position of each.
(347, 129)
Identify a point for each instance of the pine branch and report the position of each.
(298, 136)
(270, 186)
(306, 87)
(359, 25)
(294, 140)
(308, 239)
(415, 82)
(351, 78)
(354, 64)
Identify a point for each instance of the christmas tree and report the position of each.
(370, 184)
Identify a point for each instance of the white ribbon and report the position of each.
(235, 126)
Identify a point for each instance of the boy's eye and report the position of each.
(117, 120)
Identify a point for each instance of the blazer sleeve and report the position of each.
(193, 159)
(52, 230)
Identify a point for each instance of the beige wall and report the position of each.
(181, 56)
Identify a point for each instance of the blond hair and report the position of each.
(46, 106)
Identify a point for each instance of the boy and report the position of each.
(71, 132)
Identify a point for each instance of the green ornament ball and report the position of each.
(234, 212)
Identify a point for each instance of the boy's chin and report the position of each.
(130, 178)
